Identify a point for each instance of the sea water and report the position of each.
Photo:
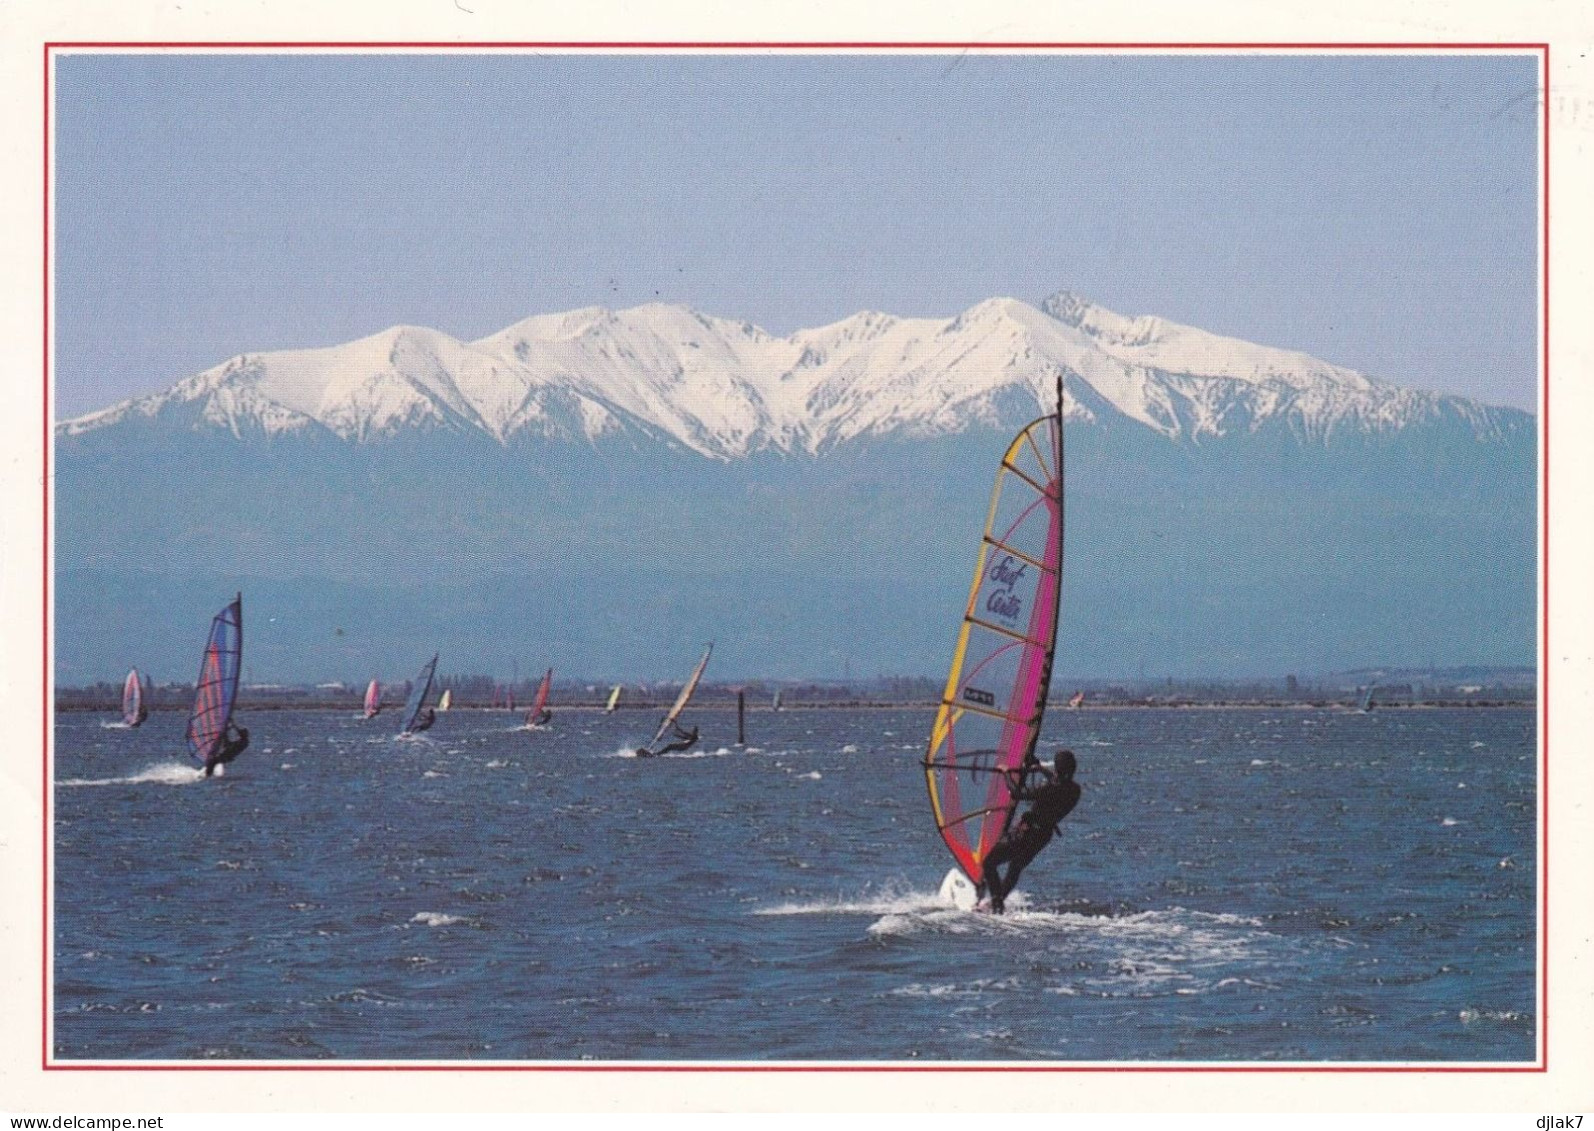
(1256, 885)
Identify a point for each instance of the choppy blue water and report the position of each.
(1235, 885)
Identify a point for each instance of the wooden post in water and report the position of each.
(741, 718)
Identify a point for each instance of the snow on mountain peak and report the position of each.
(1099, 322)
(726, 388)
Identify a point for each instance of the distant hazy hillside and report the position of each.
(607, 489)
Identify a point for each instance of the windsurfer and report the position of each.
(234, 742)
(1050, 800)
(424, 721)
(684, 740)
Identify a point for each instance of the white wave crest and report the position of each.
(685, 755)
(888, 901)
(437, 919)
(162, 773)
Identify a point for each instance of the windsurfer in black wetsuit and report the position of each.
(684, 740)
(235, 740)
(1050, 800)
(423, 721)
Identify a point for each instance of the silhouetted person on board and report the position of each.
(1050, 800)
(685, 740)
(233, 744)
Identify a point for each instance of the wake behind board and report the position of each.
(958, 891)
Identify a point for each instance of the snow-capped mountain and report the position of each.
(727, 389)
(575, 486)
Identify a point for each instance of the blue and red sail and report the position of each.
(216, 690)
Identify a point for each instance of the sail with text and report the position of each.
(416, 715)
(614, 700)
(135, 699)
(682, 739)
(373, 699)
(539, 715)
(995, 697)
(216, 691)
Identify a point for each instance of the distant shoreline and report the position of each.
(1346, 706)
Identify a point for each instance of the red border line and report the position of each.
(810, 45)
(700, 1067)
(1544, 582)
(1542, 1065)
(45, 794)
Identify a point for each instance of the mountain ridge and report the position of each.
(727, 389)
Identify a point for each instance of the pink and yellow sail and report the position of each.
(995, 697)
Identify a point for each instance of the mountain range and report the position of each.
(812, 499)
(728, 390)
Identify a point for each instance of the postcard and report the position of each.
(710, 563)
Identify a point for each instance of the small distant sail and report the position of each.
(682, 699)
(614, 699)
(1076, 700)
(995, 697)
(373, 699)
(509, 699)
(1367, 698)
(135, 701)
(446, 701)
(777, 701)
(416, 718)
(216, 690)
(539, 713)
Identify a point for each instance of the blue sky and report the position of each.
(1376, 211)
